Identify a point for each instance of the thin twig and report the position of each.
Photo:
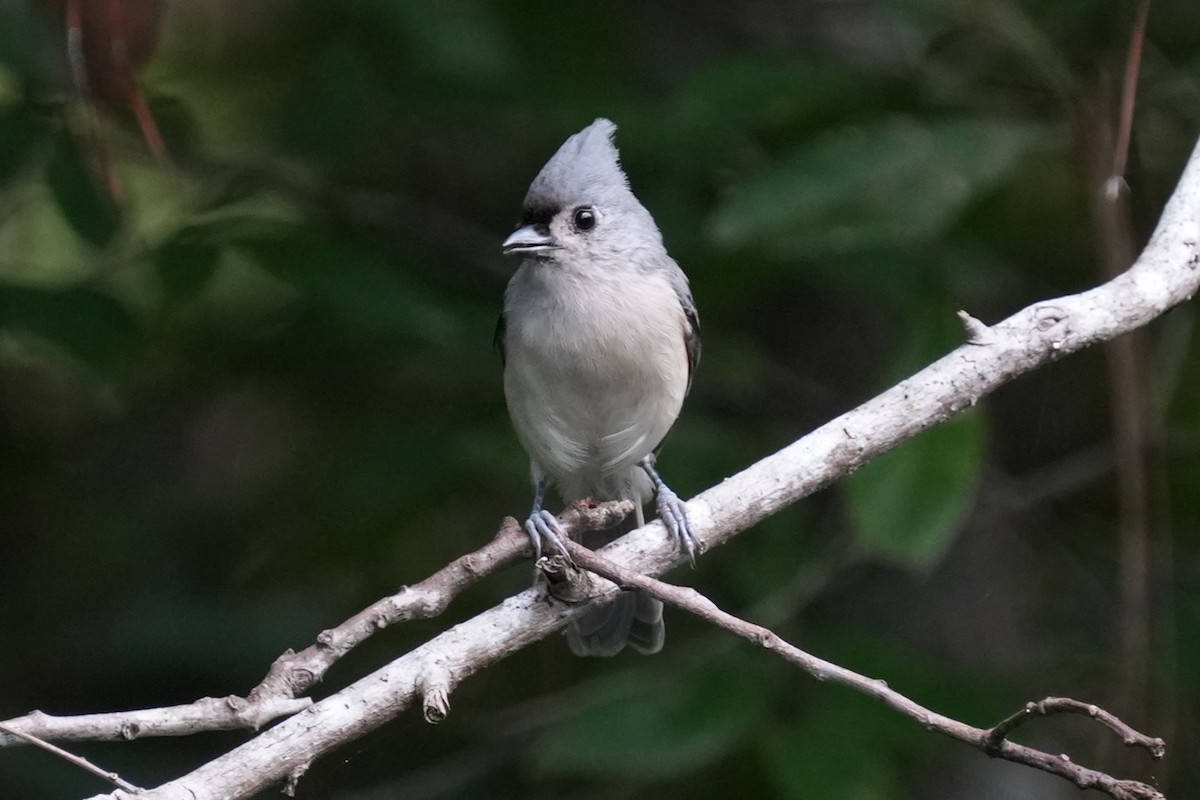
(991, 741)
(280, 692)
(1065, 705)
(79, 761)
(293, 674)
(1133, 63)
(124, 68)
(1128, 367)
(81, 77)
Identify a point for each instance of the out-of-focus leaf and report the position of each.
(90, 325)
(185, 266)
(843, 730)
(462, 41)
(341, 96)
(27, 38)
(1187, 647)
(838, 727)
(893, 184)
(908, 503)
(81, 197)
(658, 735)
(19, 132)
(176, 124)
(358, 285)
(744, 96)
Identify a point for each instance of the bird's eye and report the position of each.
(584, 218)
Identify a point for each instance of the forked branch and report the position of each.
(993, 741)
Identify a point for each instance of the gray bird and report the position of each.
(599, 336)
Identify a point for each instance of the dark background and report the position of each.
(245, 394)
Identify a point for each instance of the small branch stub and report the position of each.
(435, 692)
(977, 332)
(293, 778)
(435, 706)
(565, 581)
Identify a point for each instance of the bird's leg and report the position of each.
(542, 525)
(671, 510)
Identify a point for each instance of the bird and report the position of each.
(600, 337)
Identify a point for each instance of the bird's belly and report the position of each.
(594, 381)
(587, 422)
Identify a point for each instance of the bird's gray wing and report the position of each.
(691, 327)
(498, 337)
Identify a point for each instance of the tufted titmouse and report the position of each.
(599, 336)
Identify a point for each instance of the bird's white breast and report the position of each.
(595, 374)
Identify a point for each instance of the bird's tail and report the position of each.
(634, 618)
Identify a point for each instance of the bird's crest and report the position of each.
(586, 169)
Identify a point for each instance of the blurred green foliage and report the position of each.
(248, 391)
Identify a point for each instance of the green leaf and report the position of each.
(908, 503)
(810, 760)
(84, 202)
(724, 106)
(808, 756)
(463, 41)
(92, 326)
(896, 183)
(25, 32)
(19, 131)
(359, 285)
(176, 124)
(657, 735)
(185, 267)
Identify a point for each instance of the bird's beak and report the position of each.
(529, 239)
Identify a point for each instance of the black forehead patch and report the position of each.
(539, 213)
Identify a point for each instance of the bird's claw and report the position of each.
(543, 526)
(673, 512)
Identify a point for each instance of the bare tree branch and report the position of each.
(207, 714)
(1166, 273)
(79, 761)
(293, 674)
(992, 741)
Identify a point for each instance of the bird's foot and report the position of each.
(543, 527)
(673, 512)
